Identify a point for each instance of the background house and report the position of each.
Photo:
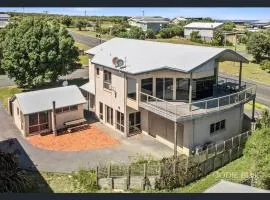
(177, 20)
(205, 29)
(154, 23)
(4, 18)
(33, 112)
(261, 24)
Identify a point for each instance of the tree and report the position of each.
(259, 45)
(228, 26)
(37, 51)
(2, 37)
(150, 34)
(66, 20)
(195, 36)
(80, 24)
(136, 33)
(218, 37)
(257, 150)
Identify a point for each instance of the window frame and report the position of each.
(38, 126)
(120, 121)
(107, 80)
(217, 127)
(101, 111)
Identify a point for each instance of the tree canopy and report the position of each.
(36, 51)
(258, 45)
(66, 20)
(80, 24)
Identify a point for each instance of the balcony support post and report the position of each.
(253, 111)
(175, 139)
(190, 92)
(240, 74)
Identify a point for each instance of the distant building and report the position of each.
(4, 20)
(177, 20)
(261, 24)
(206, 29)
(154, 23)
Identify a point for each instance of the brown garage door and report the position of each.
(165, 129)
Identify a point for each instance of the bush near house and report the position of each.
(195, 36)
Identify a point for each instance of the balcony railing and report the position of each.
(177, 110)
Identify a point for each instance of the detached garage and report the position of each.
(46, 110)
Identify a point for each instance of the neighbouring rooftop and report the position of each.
(142, 56)
(41, 100)
(230, 187)
(203, 25)
(150, 19)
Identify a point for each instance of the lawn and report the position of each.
(82, 46)
(251, 71)
(6, 92)
(84, 60)
(258, 106)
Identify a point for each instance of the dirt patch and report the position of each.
(91, 138)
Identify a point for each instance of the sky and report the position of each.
(215, 13)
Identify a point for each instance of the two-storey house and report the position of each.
(169, 91)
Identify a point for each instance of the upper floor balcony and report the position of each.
(226, 94)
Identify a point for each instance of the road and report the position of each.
(86, 39)
(262, 92)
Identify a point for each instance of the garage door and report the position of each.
(165, 128)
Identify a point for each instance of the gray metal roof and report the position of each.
(89, 87)
(149, 19)
(230, 187)
(41, 100)
(144, 56)
(4, 15)
(203, 25)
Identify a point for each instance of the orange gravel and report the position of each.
(91, 138)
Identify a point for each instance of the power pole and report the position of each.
(143, 13)
(85, 13)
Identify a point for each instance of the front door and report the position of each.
(134, 123)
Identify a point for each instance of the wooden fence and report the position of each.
(139, 176)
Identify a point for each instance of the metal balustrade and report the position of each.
(176, 110)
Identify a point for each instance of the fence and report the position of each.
(186, 169)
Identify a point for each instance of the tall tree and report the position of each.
(258, 45)
(37, 51)
(81, 24)
(66, 20)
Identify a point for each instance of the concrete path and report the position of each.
(53, 161)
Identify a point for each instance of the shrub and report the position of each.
(85, 180)
(12, 177)
(265, 65)
(195, 36)
(257, 150)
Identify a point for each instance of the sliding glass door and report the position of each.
(164, 88)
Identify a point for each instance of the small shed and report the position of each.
(33, 112)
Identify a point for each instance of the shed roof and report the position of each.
(41, 100)
(203, 25)
(89, 87)
(150, 19)
(230, 187)
(3, 15)
(142, 56)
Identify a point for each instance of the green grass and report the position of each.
(6, 92)
(84, 60)
(251, 71)
(258, 106)
(82, 46)
(179, 41)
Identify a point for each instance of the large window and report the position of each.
(134, 122)
(215, 127)
(182, 89)
(38, 122)
(204, 87)
(109, 115)
(131, 87)
(101, 110)
(147, 86)
(120, 121)
(107, 79)
(164, 88)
